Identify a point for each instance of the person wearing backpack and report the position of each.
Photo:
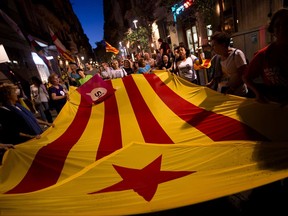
(231, 66)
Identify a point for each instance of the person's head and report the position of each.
(126, 63)
(141, 62)
(73, 66)
(121, 62)
(176, 52)
(160, 40)
(220, 42)
(165, 58)
(36, 81)
(80, 72)
(88, 66)
(9, 93)
(146, 56)
(53, 79)
(183, 52)
(104, 64)
(115, 64)
(279, 24)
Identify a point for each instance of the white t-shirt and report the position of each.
(186, 71)
(118, 73)
(229, 69)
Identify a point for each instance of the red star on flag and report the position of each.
(144, 181)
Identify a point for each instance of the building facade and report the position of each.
(193, 22)
(22, 20)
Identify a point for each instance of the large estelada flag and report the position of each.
(61, 48)
(159, 142)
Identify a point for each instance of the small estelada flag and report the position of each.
(110, 48)
(206, 63)
(61, 48)
(96, 90)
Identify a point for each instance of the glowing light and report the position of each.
(135, 23)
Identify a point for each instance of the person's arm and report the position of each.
(253, 71)
(29, 136)
(131, 63)
(6, 146)
(55, 97)
(45, 123)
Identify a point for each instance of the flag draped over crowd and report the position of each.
(157, 142)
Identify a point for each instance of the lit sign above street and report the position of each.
(177, 8)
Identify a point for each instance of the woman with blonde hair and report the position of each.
(18, 124)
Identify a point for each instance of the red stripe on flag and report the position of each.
(111, 139)
(44, 170)
(216, 126)
(110, 48)
(150, 128)
(206, 63)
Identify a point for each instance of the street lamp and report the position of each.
(135, 23)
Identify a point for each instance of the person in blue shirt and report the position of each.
(143, 67)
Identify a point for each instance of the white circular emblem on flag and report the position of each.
(97, 93)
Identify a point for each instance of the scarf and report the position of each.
(32, 126)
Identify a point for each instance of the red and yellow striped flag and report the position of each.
(61, 48)
(159, 142)
(110, 48)
(206, 63)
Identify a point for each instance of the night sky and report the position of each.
(90, 14)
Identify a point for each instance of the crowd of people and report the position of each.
(230, 74)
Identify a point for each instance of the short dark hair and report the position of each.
(221, 38)
(160, 40)
(36, 80)
(73, 63)
(79, 69)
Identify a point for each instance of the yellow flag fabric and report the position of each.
(159, 142)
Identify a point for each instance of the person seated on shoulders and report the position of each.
(18, 124)
(270, 64)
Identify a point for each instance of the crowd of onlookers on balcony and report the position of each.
(229, 73)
